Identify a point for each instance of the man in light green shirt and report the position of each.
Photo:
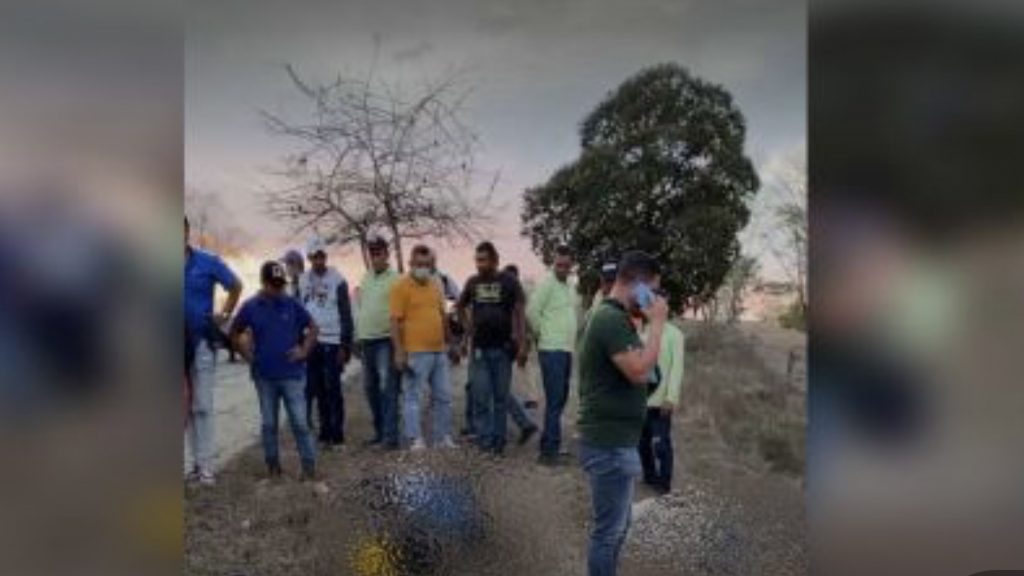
(655, 448)
(552, 316)
(373, 332)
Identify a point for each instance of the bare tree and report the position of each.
(787, 237)
(372, 157)
(741, 276)
(211, 223)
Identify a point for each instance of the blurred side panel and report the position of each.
(90, 210)
(917, 287)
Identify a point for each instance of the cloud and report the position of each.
(413, 52)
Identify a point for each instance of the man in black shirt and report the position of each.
(492, 308)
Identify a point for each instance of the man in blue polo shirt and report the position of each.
(203, 272)
(275, 334)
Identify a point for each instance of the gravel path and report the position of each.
(380, 511)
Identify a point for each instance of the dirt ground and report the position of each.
(736, 505)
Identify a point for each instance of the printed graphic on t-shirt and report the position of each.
(489, 293)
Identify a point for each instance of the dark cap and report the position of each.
(608, 271)
(272, 272)
(293, 257)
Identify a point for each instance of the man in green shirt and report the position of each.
(615, 368)
(656, 453)
(552, 316)
(373, 332)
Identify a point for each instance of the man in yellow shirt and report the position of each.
(418, 336)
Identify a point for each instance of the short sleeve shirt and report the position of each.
(203, 271)
(373, 319)
(612, 408)
(420, 307)
(277, 324)
(492, 302)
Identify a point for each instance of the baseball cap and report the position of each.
(609, 271)
(292, 257)
(376, 241)
(315, 245)
(273, 272)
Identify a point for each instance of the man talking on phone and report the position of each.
(615, 368)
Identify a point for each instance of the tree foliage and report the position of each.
(662, 169)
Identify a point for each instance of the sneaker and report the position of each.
(447, 442)
(526, 434)
(372, 442)
(206, 478)
(418, 445)
(467, 432)
(192, 476)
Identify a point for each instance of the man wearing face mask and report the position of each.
(615, 367)
(418, 336)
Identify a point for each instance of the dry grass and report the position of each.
(754, 409)
(731, 512)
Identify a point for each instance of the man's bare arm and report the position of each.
(637, 364)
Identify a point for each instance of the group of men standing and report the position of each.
(298, 333)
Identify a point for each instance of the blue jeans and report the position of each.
(323, 382)
(200, 429)
(381, 382)
(490, 371)
(555, 371)
(611, 472)
(518, 412)
(292, 392)
(656, 449)
(431, 368)
(515, 409)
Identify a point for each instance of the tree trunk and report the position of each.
(364, 253)
(398, 249)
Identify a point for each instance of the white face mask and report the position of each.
(421, 273)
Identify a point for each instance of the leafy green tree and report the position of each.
(662, 169)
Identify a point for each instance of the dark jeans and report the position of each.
(656, 449)
(470, 423)
(514, 406)
(323, 382)
(382, 384)
(610, 472)
(555, 371)
(291, 392)
(490, 371)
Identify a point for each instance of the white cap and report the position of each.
(315, 245)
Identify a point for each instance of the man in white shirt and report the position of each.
(324, 293)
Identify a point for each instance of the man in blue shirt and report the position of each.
(203, 272)
(275, 334)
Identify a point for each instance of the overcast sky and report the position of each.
(538, 67)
